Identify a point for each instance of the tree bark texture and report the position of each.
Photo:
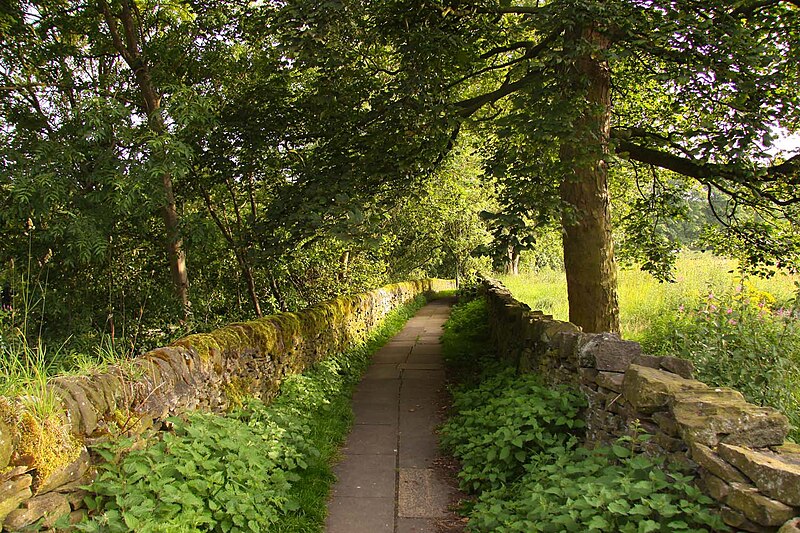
(588, 246)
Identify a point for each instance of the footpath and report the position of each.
(387, 480)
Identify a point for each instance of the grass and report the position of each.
(642, 299)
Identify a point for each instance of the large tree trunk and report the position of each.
(588, 247)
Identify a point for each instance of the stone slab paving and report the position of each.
(386, 481)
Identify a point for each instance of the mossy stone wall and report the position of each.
(43, 463)
(738, 449)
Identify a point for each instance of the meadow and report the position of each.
(643, 299)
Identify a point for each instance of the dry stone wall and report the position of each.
(43, 464)
(737, 448)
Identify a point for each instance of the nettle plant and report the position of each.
(518, 442)
(211, 473)
(505, 420)
(604, 489)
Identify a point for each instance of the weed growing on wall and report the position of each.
(259, 468)
(518, 444)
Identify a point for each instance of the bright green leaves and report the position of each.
(211, 474)
(504, 422)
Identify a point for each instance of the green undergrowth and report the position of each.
(465, 341)
(519, 444)
(258, 468)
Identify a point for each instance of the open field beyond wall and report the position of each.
(643, 299)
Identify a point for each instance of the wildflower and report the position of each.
(710, 295)
(732, 322)
(712, 308)
(728, 311)
(681, 308)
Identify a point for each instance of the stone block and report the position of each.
(6, 444)
(757, 507)
(88, 412)
(607, 352)
(666, 423)
(738, 521)
(13, 492)
(791, 526)
(774, 477)
(71, 408)
(715, 487)
(649, 390)
(76, 498)
(51, 507)
(789, 450)
(708, 420)
(587, 375)
(669, 444)
(77, 516)
(610, 380)
(683, 367)
(650, 361)
(708, 459)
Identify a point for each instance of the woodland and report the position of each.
(171, 165)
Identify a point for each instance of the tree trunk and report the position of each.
(238, 251)
(128, 44)
(512, 261)
(588, 247)
(515, 262)
(344, 261)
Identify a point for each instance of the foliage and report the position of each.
(212, 473)
(504, 421)
(519, 451)
(742, 339)
(466, 332)
(517, 442)
(260, 467)
(605, 489)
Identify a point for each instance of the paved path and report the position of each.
(386, 480)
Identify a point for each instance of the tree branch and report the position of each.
(711, 173)
(469, 106)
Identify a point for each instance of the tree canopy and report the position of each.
(192, 160)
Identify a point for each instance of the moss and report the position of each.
(45, 444)
(236, 391)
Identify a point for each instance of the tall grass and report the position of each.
(642, 299)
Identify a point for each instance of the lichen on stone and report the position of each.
(237, 390)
